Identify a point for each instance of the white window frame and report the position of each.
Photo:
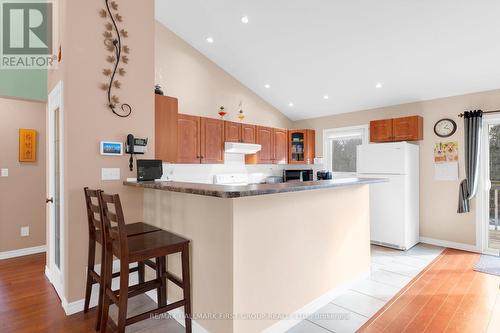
(331, 133)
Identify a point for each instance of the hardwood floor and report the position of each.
(29, 304)
(448, 296)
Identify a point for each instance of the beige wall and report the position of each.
(438, 199)
(202, 86)
(87, 120)
(25, 186)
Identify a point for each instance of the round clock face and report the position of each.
(445, 128)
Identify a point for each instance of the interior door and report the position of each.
(188, 139)
(55, 193)
(280, 146)
(212, 141)
(265, 137)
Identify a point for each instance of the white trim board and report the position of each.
(22, 252)
(452, 245)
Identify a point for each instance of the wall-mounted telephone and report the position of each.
(135, 146)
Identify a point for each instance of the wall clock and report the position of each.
(445, 127)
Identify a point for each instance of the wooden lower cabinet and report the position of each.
(212, 141)
(188, 139)
(280, 146)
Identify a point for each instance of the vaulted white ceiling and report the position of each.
(306, 49)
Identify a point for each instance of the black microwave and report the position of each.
(148, 170)
(298, 175)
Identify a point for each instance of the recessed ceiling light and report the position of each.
(210, 40)
(244, 19)
(378, 85)
(267, 86)
(290, 104)
(325, 97)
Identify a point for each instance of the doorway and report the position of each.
(489, 201)
(55, 193)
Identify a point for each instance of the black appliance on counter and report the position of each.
(324, 175)
(298, 175)
(148, 170)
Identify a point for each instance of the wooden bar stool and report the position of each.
(94, 215)
(138, 249)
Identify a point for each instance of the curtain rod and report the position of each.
(492, 111)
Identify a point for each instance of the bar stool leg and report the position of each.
(101, 289)
(161, 274)
(106, 276)
(90, 280)
(141, 272)
(186, 287)
(123, 299)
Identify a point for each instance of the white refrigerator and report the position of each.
(394, 205)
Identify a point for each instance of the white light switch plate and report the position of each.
(110, 174)
(4, 172)
(25, 231)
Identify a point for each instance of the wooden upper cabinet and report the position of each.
(166, 112)
(301, 146)
(188, 139)
(265, 137)
(408, 128)
(280, 146)
(248, 133)
(212, 141)
(232, 131)
(397, 129)
(381, 130)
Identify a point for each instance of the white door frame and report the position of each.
(55, 274)
(483, 194)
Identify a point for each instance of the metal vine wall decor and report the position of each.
(119, 53)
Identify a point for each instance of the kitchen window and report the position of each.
(339, 147)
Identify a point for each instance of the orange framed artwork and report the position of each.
(27, 145)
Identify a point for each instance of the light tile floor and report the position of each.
(391, 270)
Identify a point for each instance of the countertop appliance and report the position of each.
(394, 205)
(298, 175)
(148, 170)
(324, 175)
(233, 179)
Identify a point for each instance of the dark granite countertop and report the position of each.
(228, 191)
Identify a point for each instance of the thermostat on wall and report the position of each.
(111, 148)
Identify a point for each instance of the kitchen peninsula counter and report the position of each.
(259, 252)
(228, 191)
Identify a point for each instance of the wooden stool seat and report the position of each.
(153, 245)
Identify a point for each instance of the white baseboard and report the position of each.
(22, 252)
(312, 307)
(452, 245)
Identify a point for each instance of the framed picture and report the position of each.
(27, 145)
(111, 148)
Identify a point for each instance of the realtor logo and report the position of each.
(26, 34)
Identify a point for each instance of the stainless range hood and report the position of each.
(241, 148)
